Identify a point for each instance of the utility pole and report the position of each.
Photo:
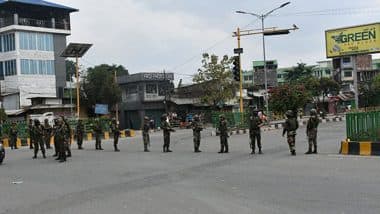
(241, 75)
(116, 105)
(78, 85)
(166, 93)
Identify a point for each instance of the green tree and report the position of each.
(298, 73)
(217, 75)
(3, 115)
(328, 86)
(99, 86)
(370, 92)
(288, 97)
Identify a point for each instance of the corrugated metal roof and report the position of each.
(40, 3)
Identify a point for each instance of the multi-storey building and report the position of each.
(144, 94)
(32, 37)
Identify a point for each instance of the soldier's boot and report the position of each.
(44, 155)
(315, 150)
(116, 149)
(168, 150)
(146, 148)
(293, 152)
(260, 151)
(221, 149)
(164, 148)
(68, 153)
(35, 153)
(253, 151)
(226, 148)
(100, 146)
(308, 151)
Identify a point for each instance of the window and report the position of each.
(8, 68)
(132, 89)
(1, 71)
(7, 42)
(328, 72)
(346, 59)
(151, 88)
(245, 78)
(348, 74)
(40, 67)
(36, 41)
(279, 76)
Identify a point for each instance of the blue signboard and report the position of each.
(101, 109)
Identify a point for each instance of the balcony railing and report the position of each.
(62, 25)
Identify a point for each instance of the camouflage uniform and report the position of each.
(13, 136)
(79, 132)
(197, 128)
(254, 132)
(290, 127)
(166, 128)
(47, 133)
(30, 132)
(56, 146)
(38, 139)
(60, 138)
(116, 133)
(67, 142)
(223, 129)
(311, 131)
(98, 132)
(145, 134)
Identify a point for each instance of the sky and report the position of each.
(171, 35)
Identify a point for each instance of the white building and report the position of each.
(32, 37)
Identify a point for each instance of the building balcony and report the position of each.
(51, 23)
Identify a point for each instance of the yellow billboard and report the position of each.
(363, 39)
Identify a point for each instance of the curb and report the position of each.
(363, 148)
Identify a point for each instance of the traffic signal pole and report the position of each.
(240, 73)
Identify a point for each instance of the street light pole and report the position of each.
(262, 17)
(265, 69)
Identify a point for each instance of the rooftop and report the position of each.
(39, 3)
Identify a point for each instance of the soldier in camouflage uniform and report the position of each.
(166, 128)
(197, 128)
(79, 132)
(47, 133)
(13, 135)
(116, 134)
(56, 146)
(59, 138)
(98, 133)
(255, 124)
(223, 129)
(290, 128)
(145, 133)
(311, 131)
(38, 139)
(30, 132)
(68, 136)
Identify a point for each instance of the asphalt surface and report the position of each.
(132, 181)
